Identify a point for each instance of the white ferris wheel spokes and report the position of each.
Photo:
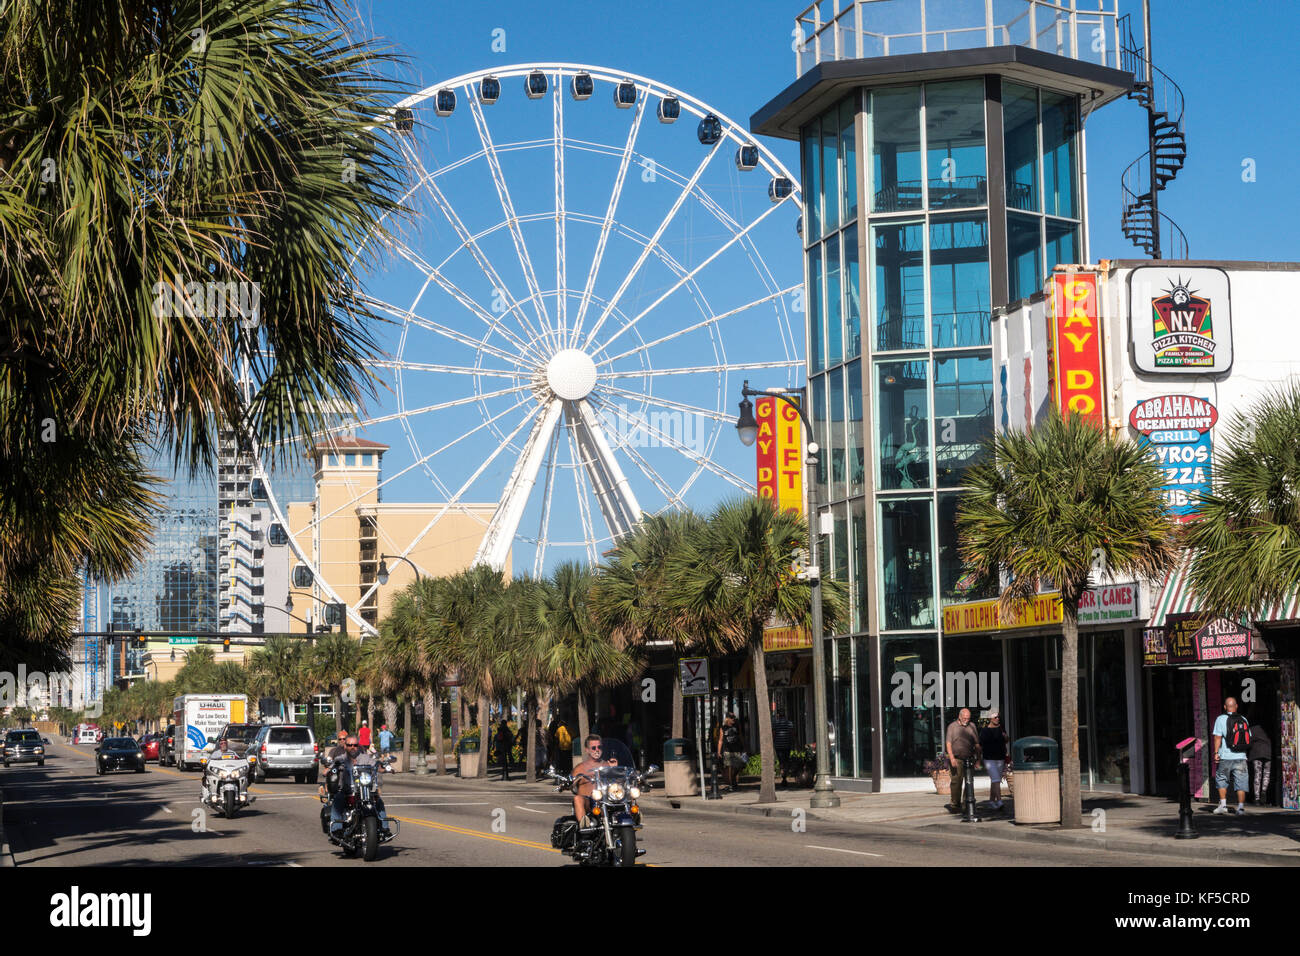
(617, 366)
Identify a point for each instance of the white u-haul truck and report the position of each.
(199, 719)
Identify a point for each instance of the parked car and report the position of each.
(119, 753)
(24, 746)
(149, 744)
(285, 750)
(167, 747)
(239, 736)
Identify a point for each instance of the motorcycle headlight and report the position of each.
(616, 792)
(635, 792)
(598, 794)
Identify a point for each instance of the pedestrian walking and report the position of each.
(1261, 759)
(1229, 753)
(962, 743)
(782, 741)
(564, 747)
(385, 739)
(505, 743)
(363, 736)
(993, 746)
(731, 747)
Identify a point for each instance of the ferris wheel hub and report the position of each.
(571, 374)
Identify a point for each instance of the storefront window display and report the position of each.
(913, 730)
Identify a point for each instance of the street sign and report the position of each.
(182, 641)
(695, 676)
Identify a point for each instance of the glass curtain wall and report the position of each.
(921, 239)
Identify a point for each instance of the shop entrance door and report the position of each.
(1103, 709)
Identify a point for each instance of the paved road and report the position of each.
(64, 814)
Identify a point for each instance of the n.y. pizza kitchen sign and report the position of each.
(1178, 428)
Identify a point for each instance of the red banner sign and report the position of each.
(1076, 345)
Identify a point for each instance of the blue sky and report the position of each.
(734, 57)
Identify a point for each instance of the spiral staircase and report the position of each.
(1148, 175)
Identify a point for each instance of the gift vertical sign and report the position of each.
(779, 453)
(1076, 345)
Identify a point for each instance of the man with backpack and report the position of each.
(1231, 745)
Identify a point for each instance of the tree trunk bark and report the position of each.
(530, 750)
(406, 732)
(767, 785)
(390, 713)
(370, 717)
(1071, 798)
(338, 710)
(484, 736)
(679, 703)
(584, 720)
(433, 706)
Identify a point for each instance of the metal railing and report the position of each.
(857, 29)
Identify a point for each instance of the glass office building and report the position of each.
(937, 187)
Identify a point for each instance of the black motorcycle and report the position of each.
(608, 834)
(361, 833)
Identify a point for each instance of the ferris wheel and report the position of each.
(595, 263)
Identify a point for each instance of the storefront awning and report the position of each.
(1177, 598)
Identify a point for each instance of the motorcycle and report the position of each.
(225, 783)
(361, 833)
(608, 835)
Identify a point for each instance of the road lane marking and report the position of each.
(467, 803)
(835, 849)
(526, 810)
(462, 831)
(167, 809)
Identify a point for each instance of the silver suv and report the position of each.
(24, 746)
(285, 750)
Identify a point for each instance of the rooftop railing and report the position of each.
(857, 29)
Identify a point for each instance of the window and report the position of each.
(960, 300)
(834, 328)
(907, 585)
(899, 292)
(956, 581)
(837, 447)
(816, 334)
(913, 729)
(856, 450)
(895, 134)
(852, 296)
(849, 157)
(830, 172)
(1060, 126)
(812, 161)
(903, 412)
(954, 135)
(1024, 256)
(1020, 139)
(277, 535)
(1062, 242)
(963, 414)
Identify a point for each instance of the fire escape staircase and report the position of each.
(1148, 175)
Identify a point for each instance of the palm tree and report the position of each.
(1246, 539)
(334, 659)
(736, 572)
(189, 156)
(436, 658)
(515, 619)
(632, 599)
(198, 674)
(463, 633)
(397, 656)
(1043, 507)
(276, 667)
(578, 654)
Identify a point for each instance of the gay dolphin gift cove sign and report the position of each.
(1178, 429)
(1075, 344)
(779, 452)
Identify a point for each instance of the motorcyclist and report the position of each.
(352, 758)
(222, 752)
(591, 759)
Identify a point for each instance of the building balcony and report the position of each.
(862, 29)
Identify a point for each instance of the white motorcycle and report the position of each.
(225, 782)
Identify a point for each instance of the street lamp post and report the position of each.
(824, 795)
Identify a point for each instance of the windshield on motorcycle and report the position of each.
(613, 748)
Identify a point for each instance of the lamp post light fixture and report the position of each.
(824, 795)
(381, 575)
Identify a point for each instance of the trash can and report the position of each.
(680, 778)
(467, 751)
(1036, 762)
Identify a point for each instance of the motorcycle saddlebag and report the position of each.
(563, 832)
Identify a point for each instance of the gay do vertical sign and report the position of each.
(1076, 345)
(779, 453)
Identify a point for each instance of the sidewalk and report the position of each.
(1112, 821)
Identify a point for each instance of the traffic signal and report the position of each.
(140, 640)
(225, 644)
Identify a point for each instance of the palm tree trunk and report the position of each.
(406, 733)
(679, 704)
(530, 750)
(390, 713)
(432, 700)
(1071, 798)
(484, 736)
(584, 721)
(767, 753)
(338, 711)
(370, 717)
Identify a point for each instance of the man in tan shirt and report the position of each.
(961, 741)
